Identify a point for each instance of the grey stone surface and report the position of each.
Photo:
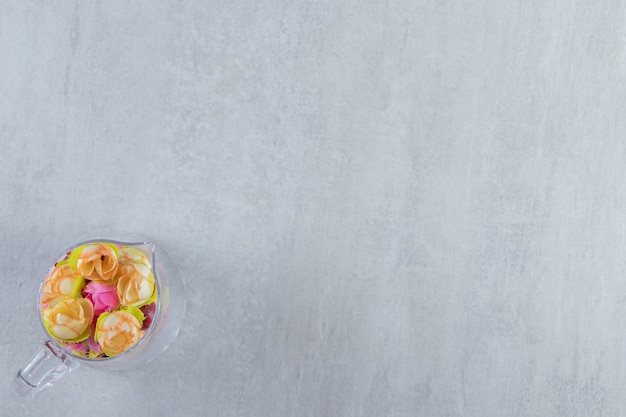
(400, 208)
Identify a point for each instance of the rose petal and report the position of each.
(76, 346)
(93, 345)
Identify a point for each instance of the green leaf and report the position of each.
(135, 312)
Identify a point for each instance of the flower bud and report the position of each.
(60, 284)
(134, 288)
(69, 320)
(97, 262)
(117, 332)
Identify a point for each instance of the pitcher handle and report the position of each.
(45, 368)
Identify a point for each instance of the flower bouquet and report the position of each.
(99, 299)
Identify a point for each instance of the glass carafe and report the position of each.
(55, 358)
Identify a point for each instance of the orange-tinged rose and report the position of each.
(133, 287)
(117, 332)
(69, 320)
(61, 283)
(97, 262)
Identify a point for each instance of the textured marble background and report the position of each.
(380, 208)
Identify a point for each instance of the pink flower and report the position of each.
(103, 296)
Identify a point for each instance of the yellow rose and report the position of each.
(61, 283)
(133, 287)
(117, 332)
(69, 320)
(97, 262)
(137, 257)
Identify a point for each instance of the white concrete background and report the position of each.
(381, 208)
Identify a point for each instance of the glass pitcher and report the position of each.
(57, 357)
